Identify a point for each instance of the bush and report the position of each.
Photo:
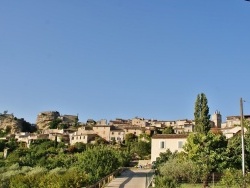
(165, 182)
(232, 178)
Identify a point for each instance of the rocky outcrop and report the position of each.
(44, 118)
(10, 124)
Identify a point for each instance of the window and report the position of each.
(180, 144)
(72, 137)
(112, 133)
(162, 144)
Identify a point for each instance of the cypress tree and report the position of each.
(201, 114)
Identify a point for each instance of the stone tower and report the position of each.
(217, 119)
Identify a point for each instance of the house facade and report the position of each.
(117, 135)
(82, 135)
(103, 131)
(162, 142)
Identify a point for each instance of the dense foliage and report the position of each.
(46, 164)
(201, 114)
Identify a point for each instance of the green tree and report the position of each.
(80, 147)
(76, 122)
(165, 182)
(180, 168)
(234, 151)
(201, 114)
(232, 178)
(2, 145)
(164, 157)
(145, 137)
(208, 151)
(141, 148)
(55, 123)
(130, 137)
(168, 130)
(27, 127)
(98, 162)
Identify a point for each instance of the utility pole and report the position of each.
(242, 137)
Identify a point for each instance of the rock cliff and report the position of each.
(44, 118)
(9, 123)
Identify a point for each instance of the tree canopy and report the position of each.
(208, 151)
(201, 114)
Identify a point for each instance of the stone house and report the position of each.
(229, 132)
(134, 130)
(139, 122)
(117, 134)
(183, 126)
(103, 131)
(118, 122)
(231, 121)
(83, 135)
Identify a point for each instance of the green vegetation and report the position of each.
(55, 124)
(206, 152)
(201, 114)
(139, 148)
(188, 185)
(46, 164)
(49, 163)
(168, 130)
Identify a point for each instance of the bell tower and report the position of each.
(217, 119)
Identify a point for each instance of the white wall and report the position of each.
(173, 144)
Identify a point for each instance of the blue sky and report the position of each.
(121, 59)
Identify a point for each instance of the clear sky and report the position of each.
(120, 59)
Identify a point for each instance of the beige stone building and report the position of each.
(232, 121)
(139, 122)
(103, 131)
(117, 134)
(161, 142)
(118, 122)
(82, 137)
(229, 132)
(134, 130)
(102, 122)
(183, 126)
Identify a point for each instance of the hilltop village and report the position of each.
(52, 125)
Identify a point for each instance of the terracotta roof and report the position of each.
(169, 136)
(101, 125)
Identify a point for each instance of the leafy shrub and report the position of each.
(232, 178)
(165, 182)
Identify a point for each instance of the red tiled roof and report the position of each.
(161, 136)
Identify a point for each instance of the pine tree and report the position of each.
(201, 114)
